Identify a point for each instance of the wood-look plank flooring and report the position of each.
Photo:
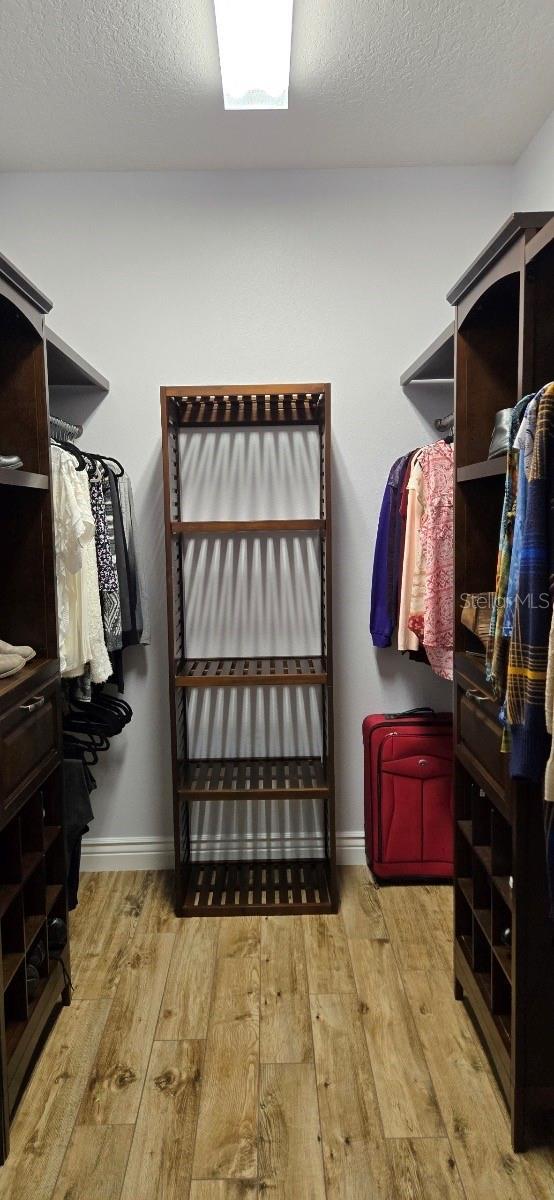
(298, 1058)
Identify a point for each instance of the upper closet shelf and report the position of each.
(517, 223)
(66, 368)
(435, 363)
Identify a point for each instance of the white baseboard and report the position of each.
(156, 853)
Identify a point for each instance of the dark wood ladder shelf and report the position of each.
(268, 886)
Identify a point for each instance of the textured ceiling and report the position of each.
(121, 84)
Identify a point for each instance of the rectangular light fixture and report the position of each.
(254, 39)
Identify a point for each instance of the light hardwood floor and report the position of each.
(298, 1058)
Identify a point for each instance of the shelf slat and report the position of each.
(466, 827)
(29, 863)
(23, 479)
(503, 887)
(503, 955)
(230, 527)
(51, 833)
(241, 408)
(234, 888)
(221, 778)
(483, 916)
(244, 672)
(484, 854)
(53, 891)
(482, 470)
(465, 885)
(33, 924)
(10, 964)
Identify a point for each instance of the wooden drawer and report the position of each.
(480, 731)
(29, 742)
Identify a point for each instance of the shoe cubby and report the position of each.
(34, 903)
(501, 1005)
(13, 939)
(32, 893)
(482, 962)
(16, 1010)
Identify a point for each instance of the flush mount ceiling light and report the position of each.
(254, 39)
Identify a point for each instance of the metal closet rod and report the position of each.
(66, 428)
(443, 423)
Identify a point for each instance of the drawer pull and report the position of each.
(478, 697)
(34, 703)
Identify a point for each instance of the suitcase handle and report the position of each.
(410, 712)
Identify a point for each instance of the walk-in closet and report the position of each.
(276, 601)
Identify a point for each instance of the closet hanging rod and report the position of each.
(445, 423)
(67, 429)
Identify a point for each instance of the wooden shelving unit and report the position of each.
(434, 364)
(32, 842)
(504, 952)
(272, 886)
(68, 369)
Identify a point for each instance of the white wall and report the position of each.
(177, 278)
(533, 177)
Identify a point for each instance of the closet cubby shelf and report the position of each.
(220, 778)
(24, 479)
(192, 528)
(32, 856)
(249, 672)
(488, 469)
(221, 888)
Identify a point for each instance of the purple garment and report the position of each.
(384, 585)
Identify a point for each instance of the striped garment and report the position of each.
(528, 655)
(498, 644)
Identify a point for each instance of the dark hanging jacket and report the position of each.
(384, 586)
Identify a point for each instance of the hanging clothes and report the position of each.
(407, 639)
(432, 592)
(106, 561)
(497, 646)
(136, 567)
(384, 586)
(528, 662)
(523, 445)
(81, 634)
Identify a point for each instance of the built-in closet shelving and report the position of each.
(288, 885)
(504, 943)
(33, 879)
(435, 364)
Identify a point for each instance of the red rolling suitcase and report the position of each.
(408, 794)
